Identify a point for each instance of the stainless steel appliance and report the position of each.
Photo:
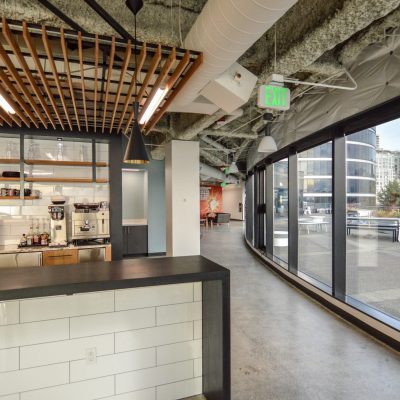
(89, 222)
(58, 226)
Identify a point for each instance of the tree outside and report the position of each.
(389, 196)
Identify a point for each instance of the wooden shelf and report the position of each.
(101, 180)
(99, 164)
(60, 180)
(19, 198)
(61, 163)
(9, 160)
(3, 179)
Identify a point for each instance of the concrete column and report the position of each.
(182, 197)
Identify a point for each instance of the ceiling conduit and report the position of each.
(210, 172)
(224, 30)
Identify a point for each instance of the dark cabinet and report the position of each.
(135, 240)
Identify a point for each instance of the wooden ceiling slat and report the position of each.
(170, 84)
(164, 72)
(96, 63)
(142, 58)
(17, 53)
(68, 71)
(6, 117)
(14, 73)
(109, 74)
(55, 74)
(11, 88)
(80, 50)
(38, 92)
(154, 62)
(14, 105)
(34, 55)
(121, 80)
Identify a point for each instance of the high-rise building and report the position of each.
(387, 167)
(315, 171)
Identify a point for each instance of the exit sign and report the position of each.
(274, 97)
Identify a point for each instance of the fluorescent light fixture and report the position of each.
(267, 145)
(6, 106)
(154, 103)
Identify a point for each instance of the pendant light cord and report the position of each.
(136, 109)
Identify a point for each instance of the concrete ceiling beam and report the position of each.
(229, 134)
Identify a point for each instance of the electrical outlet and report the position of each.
(91, 355)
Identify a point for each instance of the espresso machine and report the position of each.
(58, 226)
(90, 222)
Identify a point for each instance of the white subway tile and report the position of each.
(9, 359)
(9, 312)
(5, 230)
(179, 390)
(86, 390)
(198, 367)
(145, 378)
(112, 322)
(151, 337)
(198, 329)
(113, 364)
(198, 291)
(145, 394)
(33, 333)
(179, 313)
(66, 350)
(179, 352)
(66, 306)
(153, 296)
(33, 378)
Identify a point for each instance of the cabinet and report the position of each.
(31, 259)
(60, 257)
(135, 240)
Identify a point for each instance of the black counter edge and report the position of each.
(87, 287)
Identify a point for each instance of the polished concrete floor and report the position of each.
(285, 346)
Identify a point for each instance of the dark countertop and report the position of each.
(20, 283)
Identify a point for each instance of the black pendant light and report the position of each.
(136, 152)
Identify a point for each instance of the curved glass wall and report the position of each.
(281, 201)
(338, 200)
(315, 213)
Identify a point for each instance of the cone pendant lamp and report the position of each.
(136, 152)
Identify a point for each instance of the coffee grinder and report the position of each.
(58, 226)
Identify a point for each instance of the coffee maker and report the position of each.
(58, 226)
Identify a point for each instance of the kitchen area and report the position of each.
(54, 201)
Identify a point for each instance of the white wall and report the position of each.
(232, 195)
(182, 189)
(134, 194)
(147, 343)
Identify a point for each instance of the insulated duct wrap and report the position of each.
(224, 30)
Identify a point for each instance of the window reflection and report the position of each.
(373, 215)
(281, 212)
(315, 213)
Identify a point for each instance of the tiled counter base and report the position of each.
(125, 344)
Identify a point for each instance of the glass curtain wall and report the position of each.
(373, 217)
(315, 213)
(281, 193)
(367, 189)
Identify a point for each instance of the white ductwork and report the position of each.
(224, 30)
(228, 118)
(209, 172)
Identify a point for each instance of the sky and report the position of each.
(389, 134)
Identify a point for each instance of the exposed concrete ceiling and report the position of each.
(315, 40)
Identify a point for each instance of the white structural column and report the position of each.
(182, 197)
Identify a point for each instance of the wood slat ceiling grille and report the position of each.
(59, 79)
